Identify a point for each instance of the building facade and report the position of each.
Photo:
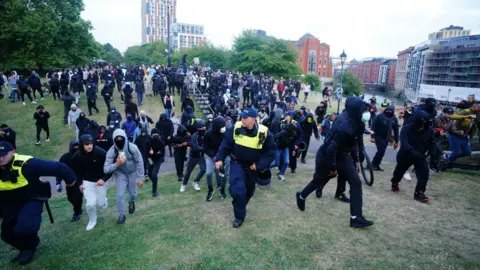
(449, 32)
(155, 19)
(401, 69)
(386, 74)
(313, 56)
(187, 36)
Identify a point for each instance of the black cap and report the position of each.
(448, 110)
(5, 147)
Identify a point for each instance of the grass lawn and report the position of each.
(182, 231)
(20, 118)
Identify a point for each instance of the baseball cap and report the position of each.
(249, 112)
(448, 110)
(5, 147)
(288, 114)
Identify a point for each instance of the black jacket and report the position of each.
(158, 147)
(213, 137)
(165, 127)
(42, 118)
(114, 116)
(10, 136)
(104, 141)
(143, 142)
(82, 123)
(68, 157)
(416, 137)
(309, 126)
(383, 126)
(89, 166)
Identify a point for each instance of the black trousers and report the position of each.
(65, 114)
(153, 173)
(171, 88)
(307, 144)
(421, 171)
(92, 104)
(293, 160)
(39, 90)
(29, 95)
(55, 92)
(346, 173)
(246, 95)
(39, 129)
(435, 156)
(75, 197)
(179, 157)
(381, 149)
(107, 100)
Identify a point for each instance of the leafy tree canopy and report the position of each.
(351, 84)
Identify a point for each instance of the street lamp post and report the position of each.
(448, 98)
(343, 57)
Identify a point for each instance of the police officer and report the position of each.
(415, 139)
(340, 153)
(22, 195)
(383, 125)
(252, 150)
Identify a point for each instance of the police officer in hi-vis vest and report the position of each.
(252, 150)
(22, 195)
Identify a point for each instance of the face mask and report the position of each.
(155, 136)
(82, 116)
(120, 143)
(111, 126)
(144, 134)
(366, 117)
(74, 109)
(201, 132)
(389, 114)
(223, 129)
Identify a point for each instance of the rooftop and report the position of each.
(452, 27)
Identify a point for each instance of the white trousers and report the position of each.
(94, 195)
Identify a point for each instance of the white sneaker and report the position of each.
(196, 186)
(182, 188)
(91, 225)
(282, 178)
(41, 98)
(34, 102)
(47, 140)
(23, 103)
(407, 177)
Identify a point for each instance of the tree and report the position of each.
(45, 34)
(351, 84)
(313, 80)
(111, 54)
(209, 55)
(150, 53)
(274, 57)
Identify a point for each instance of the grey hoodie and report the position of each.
(134, 164)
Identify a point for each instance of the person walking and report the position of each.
(156, 156)
(41, 116)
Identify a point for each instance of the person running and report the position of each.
(156, 156)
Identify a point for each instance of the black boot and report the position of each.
(131, 207)
(121, 219)
(342, 197)
(76, 218)
(360, 222)
(25, 256)
(209, 196)
(300, 201)
(222, 193)
(237, 223)
(318, 193)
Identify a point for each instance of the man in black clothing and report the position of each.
(41, 116)
(320, 112)
(8, 135)
(67, 105)
(92, 129)
(165, 129)
(74, 194)
(187, 102)
(88, 166)
(180, 146)
(104, 139)
(107, 91)
(114, 116)
(92, 98)
(55, 86)
(82, 123)
(211, 143)
(127, 93)
(142, 142)
(308, 126)
(131, 108)
(383, 126)
(36, 85)
(156, 156)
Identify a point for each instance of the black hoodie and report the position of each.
(114, 116)
(181, 137)
(104, 140)
(157, 146)
(213, 137)
(82, 123)
(67, 157)
(165, 127)
(89, 166)
(142, 143)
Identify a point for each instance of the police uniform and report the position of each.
(246, 147)
(22, 195)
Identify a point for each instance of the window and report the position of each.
(300, 59)
(312, 61)
(324, 60)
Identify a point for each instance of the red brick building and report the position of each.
(367, 70)
(402, 68)
(391, 74)
(313, 56)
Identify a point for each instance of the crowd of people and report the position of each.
(253, 126)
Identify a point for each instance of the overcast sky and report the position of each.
(363, 28)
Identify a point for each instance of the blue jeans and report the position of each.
(13, 94)
(140, 98)
(279, 155)
(168, 112)
(460, 147)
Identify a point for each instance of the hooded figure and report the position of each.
(114, 116)
(339, 154)
(156, 156)
(180, 145)
(74, 195)
(165, 129)
(430, 108)
(129, 127)
(73, 114)
(67, 106)
(88, 166)
(196, 156)
(384, 125)
(211, 143)
(82, 123)
(92, 129)
(125, 162)
(308, 126)
(187, 116)
(142, 142)
(187, 102)
(104, 138)
(416, 138)
(276, 122)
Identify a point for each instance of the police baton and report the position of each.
(49, 212)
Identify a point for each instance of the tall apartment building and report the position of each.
(452, 69)
(387, 72)
(314, 56)
(155, 19)
(401, 69)
(449, 32)
(155, 15)
(187, 36)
